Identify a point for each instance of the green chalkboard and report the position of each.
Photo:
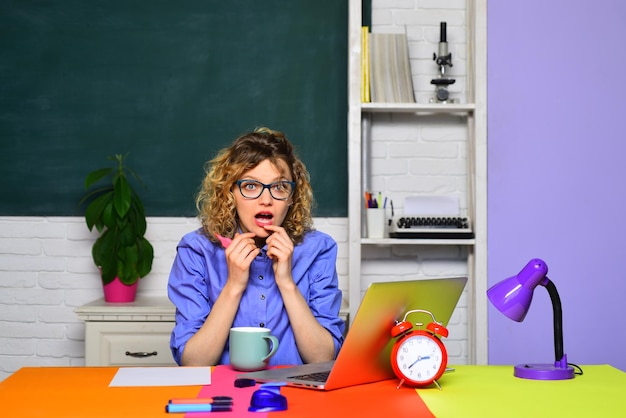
(170, 83)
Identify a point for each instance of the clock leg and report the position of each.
(438, 385)
(400, 384)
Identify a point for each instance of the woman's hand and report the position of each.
(314, 342)
(239, 255)
(280, 251)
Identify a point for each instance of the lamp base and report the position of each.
(543, 372)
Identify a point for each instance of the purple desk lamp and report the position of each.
(513, 296)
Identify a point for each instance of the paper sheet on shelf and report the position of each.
(161, 376)
(431, 205)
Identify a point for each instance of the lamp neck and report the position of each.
(557, 318)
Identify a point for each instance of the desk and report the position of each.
(471, 391)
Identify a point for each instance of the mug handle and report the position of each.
(274, 343)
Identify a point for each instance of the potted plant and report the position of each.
(121, 251)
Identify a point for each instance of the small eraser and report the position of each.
(244, 383)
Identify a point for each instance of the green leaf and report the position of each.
(94, 211)
(146, 255)
(128, 273)
(96, 175)
(138, 220)
(122, 196)
(95, 193)
(108, 274)
(109, 217)
(127, 235)
(104, 254)
(135, 176)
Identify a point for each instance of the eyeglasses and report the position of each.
(279, 190)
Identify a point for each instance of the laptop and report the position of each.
(365, 354)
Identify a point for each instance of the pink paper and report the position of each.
(223, 384)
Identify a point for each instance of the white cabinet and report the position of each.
(128, 334)
(470, 112)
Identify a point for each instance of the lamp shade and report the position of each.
(514, 295)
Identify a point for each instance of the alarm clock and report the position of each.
(418, 357)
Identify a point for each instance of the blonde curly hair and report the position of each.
(216, 202)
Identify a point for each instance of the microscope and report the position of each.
(443, 60)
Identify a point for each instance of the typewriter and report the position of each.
(432, 227)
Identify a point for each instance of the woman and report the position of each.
(256, 261)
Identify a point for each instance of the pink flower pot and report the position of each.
(118, 292)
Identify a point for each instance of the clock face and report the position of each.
(419, 358)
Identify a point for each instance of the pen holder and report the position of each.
(375, 222)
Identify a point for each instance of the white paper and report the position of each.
(161, 376)
(431, 205)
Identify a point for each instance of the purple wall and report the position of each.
(557, 173)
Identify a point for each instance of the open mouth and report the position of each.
(264, 218)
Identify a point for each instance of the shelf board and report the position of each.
(406, 241)
(144, 308)
(417, 108)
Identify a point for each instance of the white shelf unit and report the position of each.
(474, 114)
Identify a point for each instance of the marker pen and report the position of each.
(197, 407)
(225, 241)
(222, 400)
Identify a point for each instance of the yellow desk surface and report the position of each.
(470, 391)
(493, 391)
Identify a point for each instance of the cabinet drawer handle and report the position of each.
(141, 354)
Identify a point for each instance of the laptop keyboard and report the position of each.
(315, 377)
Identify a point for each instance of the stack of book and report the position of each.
(386, 69)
